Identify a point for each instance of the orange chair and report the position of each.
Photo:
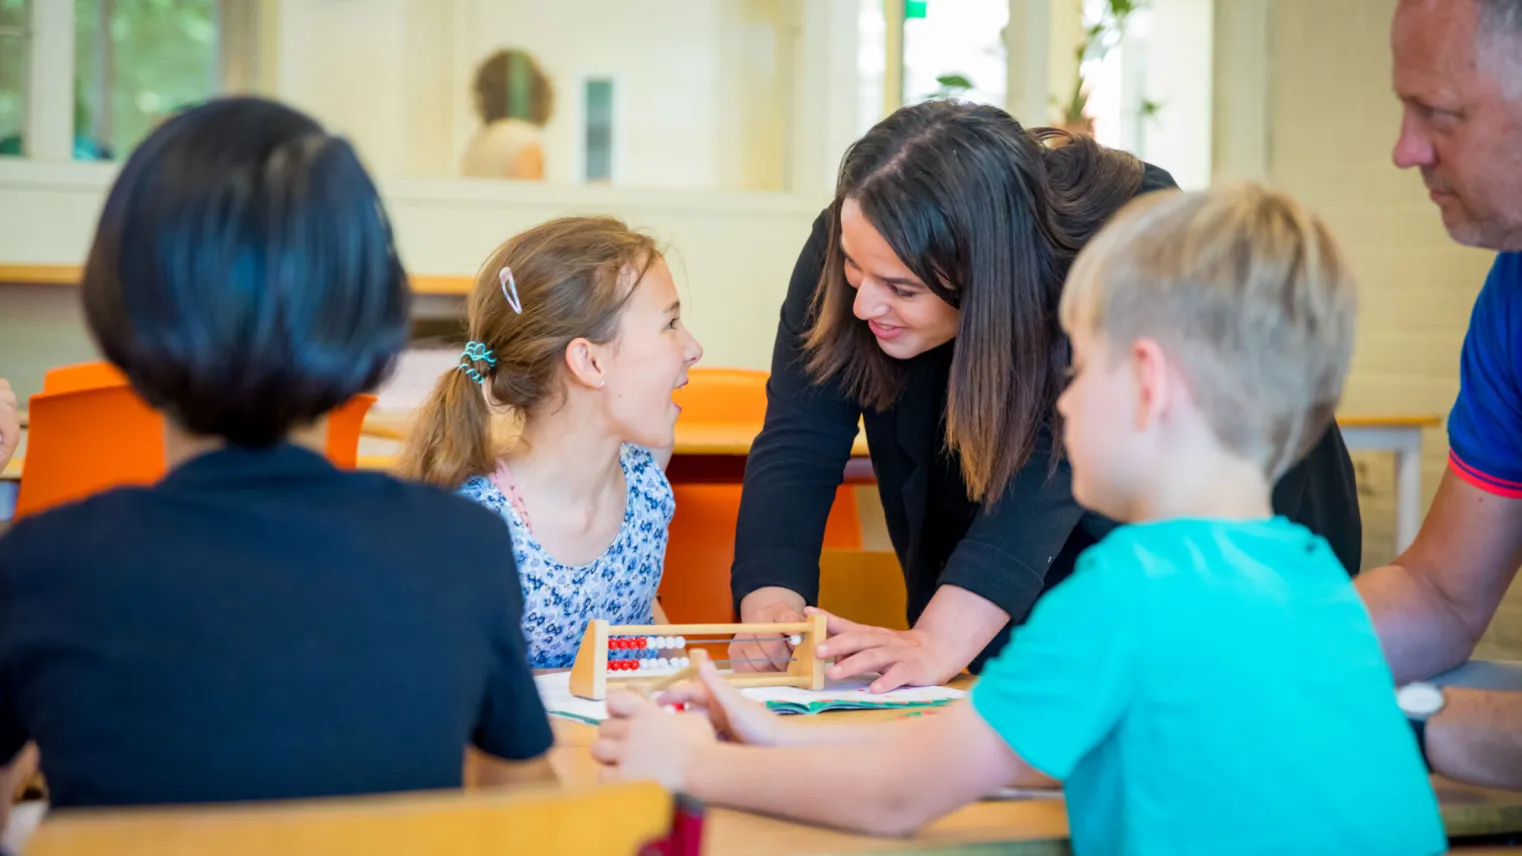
(695, 584)
(89, 431)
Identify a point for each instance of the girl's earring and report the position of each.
(601, 384)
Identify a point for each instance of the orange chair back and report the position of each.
(89, 432)
(695, 584)
(89, 435)
(344, 426)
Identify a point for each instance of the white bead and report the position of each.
(644, 666)
(680, 642)
(683, 662)
(796, 640)
(661, 643)
(664, 663)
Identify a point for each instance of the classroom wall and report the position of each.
(1332, 123)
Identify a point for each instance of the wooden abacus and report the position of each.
(638, 655)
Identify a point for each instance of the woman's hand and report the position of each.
(643, 741)
(733, 716)
(903, 657)
(770, 652)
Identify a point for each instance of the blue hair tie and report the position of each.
(476, 352)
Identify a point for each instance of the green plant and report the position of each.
(951, 86)
(1099, 38)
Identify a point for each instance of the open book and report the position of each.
(851, 695)
(555, 692)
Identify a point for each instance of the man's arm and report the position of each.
(1433, 604)
(1477, 737)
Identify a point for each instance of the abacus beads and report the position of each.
(643, 654)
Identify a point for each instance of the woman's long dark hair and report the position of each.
(989, 216)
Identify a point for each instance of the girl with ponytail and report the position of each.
(576, 336)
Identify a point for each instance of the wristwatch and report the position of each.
(1420, 702)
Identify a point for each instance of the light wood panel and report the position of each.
(69, 275)
(585, 820)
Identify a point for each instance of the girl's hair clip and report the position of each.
(510, 289)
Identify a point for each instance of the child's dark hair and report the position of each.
(572, 277)
(243, 274)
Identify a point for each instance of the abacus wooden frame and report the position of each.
(590, 678)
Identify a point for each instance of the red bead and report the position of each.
(616, 644)
(640, 642)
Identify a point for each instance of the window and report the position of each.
(871, 64)
(955, 48)
(1148, 81)
(14, 57)
(136, 63)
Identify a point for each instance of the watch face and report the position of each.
(1419, 699)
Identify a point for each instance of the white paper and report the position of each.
(1016, 794)
(854, 690)
(555, 692)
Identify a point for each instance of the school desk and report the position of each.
(1401, 436)
(715, 454)
(1036, 826)
(705, 452)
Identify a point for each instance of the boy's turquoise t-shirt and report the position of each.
(1213, 687)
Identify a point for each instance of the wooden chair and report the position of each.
(695, 584)
(88, 431)
(631, 818)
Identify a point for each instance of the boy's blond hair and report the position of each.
(1248, 294)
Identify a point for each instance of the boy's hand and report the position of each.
(904, 657)
(10, 423)
(643, 742)
(733, 716)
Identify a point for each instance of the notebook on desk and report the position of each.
(555, 692)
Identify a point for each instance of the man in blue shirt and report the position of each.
(1458, 73)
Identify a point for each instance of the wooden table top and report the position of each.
(1040, 823)
(1429, 420)
(1033, 826)
(735, 438)
(692, 438)
(69, 275)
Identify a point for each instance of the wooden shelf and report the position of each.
(68, 275)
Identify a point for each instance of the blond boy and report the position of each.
(1207, 680)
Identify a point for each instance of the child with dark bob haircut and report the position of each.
(259, 624)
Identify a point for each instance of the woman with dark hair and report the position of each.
(924, 305)
(515, 100)
(259, 624)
